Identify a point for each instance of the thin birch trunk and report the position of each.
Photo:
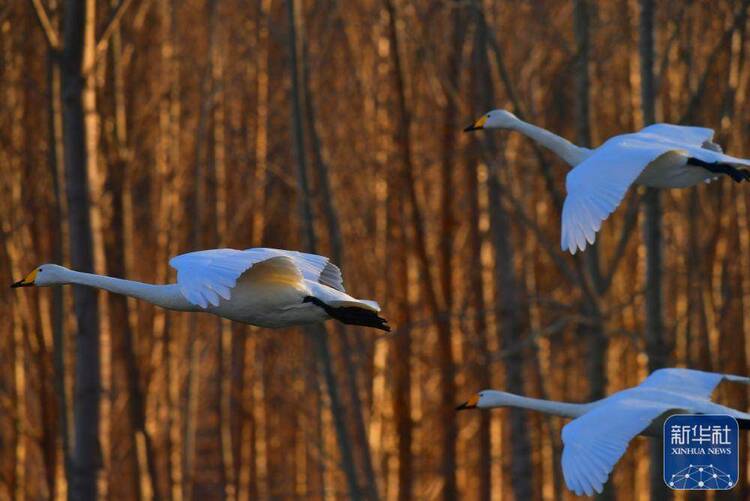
(317, 332)
(330, 213)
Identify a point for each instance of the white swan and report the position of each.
(659, 156)
(264, 287)
(598, 436)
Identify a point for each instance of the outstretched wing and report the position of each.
(695, 141)
(595, 441)
(313, 267)
(681, 134)
(689, 382)
(597, 185)
(205, 276)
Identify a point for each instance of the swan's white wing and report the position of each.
(595, 441)
(597, 185)
(694, 141)
(682, 134)
(313, 267)
(205, 276)
(689, 382)
(337, 298)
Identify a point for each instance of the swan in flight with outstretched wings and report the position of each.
(265, 287)
(600, 432)
(659, 156)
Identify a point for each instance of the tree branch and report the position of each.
(519, 110)
(53, 39)
(695, 99)
(112, 24)
(548, 247)
(631, 218)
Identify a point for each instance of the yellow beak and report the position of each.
(469, 404)
(478, 125)
(28, 281)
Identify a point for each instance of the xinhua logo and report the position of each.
(701, 452)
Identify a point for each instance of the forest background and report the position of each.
(134, 130)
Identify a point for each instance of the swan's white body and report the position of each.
(263, 287)
(600, 432)
(656, 156)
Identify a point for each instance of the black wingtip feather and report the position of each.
(352, 315)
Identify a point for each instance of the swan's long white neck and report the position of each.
(565, 409)
(563, 148)
(167, 296)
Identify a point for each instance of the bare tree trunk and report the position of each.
(18, 442)
(481, 361)
(397, 252)
(656, 348)
(86, 458)
(592, 330)
(401, 353)
(508, 307)
(445, 343)
(169, 132)
(447, 383)
(261, 127)
(146, 485)
(318, 332)
(224, 327)
(337, 255)
(57, 234)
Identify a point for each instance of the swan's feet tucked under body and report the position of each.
(351, 315)
(738, 175)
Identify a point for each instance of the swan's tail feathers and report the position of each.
(352, 313)
(736, 173)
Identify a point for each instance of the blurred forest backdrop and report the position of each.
(335, 126)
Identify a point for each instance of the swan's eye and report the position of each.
(40, 270)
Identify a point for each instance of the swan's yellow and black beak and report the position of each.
(469, 404)
(26, 282)
(478, 125)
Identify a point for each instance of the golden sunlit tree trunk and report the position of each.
(21, 325)
(436, 309)
(145, 481)
(507, 304)
(50, 25)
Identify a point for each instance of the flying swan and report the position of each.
(600, 431)
(660, 156)
(264, 287)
